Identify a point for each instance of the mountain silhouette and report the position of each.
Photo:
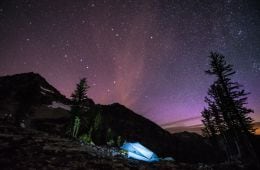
(30, 99)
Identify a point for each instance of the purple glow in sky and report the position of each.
(147, 55)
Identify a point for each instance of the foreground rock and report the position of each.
(30, 149)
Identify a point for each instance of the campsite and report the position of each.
(130, 84)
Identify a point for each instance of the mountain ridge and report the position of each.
(30, 99)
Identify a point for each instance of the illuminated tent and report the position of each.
(139, 152)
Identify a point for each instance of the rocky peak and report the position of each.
(31, 86)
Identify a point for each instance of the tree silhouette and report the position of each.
(80, 98)
(208, 122)
(227, 115)
(79, 107)
(228, 97)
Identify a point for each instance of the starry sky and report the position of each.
(147, 55)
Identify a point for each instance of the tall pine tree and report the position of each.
(79, 107)
(227, 111)
(80, 98)
(229, 97)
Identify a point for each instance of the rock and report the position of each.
(22, 124)
(30, 149)
(168, 159)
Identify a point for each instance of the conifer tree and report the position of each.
(79, 107)
(209, 129)
(228, 96)
(80, 98)
(227, 114)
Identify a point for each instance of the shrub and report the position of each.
(119, 141)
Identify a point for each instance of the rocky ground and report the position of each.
(30, 149)
(22, 148)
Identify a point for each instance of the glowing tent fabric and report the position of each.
(139, 152)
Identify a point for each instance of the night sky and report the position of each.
(147, 55)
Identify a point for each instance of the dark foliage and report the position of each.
(227, 115)
(80, 98)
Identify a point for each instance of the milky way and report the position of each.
(147, 55)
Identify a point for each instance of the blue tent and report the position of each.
(138, 151)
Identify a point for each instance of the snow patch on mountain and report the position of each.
(56, 105)
(43, 93)
(46, 90)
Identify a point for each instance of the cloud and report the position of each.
(194, 129)
(181, 122)
(175, 127)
